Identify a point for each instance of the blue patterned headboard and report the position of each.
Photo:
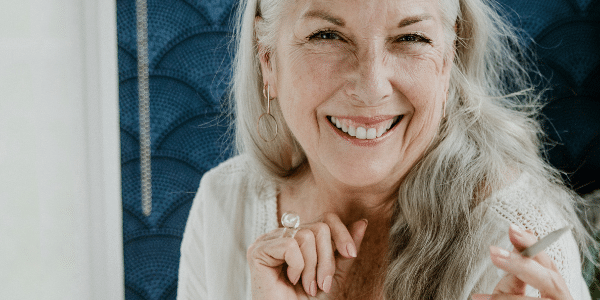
(567, 44)
(190, 56)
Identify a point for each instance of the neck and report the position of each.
(311, 195)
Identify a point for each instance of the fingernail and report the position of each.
(481, 297)
(499, 253)
(366, 222)
(501, 273)
(351, 250)
(297, 278)
(313, 288)
(327, 284)
(517, 230)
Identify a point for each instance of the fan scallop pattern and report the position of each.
(566, 37)
(190, 63)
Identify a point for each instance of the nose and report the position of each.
(369, 82)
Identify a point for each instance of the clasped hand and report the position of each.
(320, 254)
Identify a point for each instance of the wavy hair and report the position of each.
(490, 134)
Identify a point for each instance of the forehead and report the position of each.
(368, 12)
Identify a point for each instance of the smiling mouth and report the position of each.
(364, 131)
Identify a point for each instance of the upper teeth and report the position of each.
(361, 132)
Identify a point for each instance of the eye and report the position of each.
(413, 38)
(325, 35)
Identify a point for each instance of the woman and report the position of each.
(387, 126)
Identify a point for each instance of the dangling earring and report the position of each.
(444, 105)
(267, 117)
(444, 110)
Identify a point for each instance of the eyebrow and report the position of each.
(414, 19)
(320, 14)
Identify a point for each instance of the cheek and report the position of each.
(423, 85)
(421, 82)
(307, 80)
(317, 72)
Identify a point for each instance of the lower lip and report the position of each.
(364, 143)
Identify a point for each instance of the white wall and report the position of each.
(60, 201)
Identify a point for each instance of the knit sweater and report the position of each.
(233, 207)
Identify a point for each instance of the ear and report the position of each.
(267, 64)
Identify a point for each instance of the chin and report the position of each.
(365, 174)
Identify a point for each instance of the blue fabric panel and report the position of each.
(189, 72)
(564, 36)
(195, 57)
(152, 256)
(172, 100)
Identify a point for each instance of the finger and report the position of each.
(274, 253)
(357, 231)
(547, 281)
(269, 235)
(522, 239)
(510, 284)
(308, 247)
(325, 256)
(341, 236)
(274, 234)
(503, 297)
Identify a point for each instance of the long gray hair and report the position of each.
(490, 133)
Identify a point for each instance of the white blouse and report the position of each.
(233, 207)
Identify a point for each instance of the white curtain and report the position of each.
(60, 200)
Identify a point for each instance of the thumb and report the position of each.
(357, 231)
(511, 285)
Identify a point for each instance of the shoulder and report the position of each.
(234, 195)
(532, 203)
(233, 179)
(221, 219)
(225, 186)
(231, 170)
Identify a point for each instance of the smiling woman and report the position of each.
(415, 117)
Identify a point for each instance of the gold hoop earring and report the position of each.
(444, 105)
(444, 110)
(268, 121)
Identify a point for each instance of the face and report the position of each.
(361, 84)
